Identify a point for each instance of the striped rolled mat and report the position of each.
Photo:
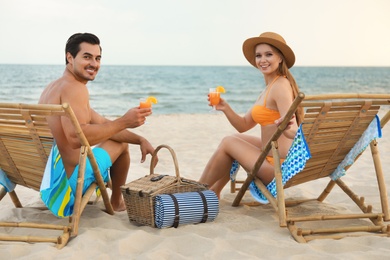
(172, 210)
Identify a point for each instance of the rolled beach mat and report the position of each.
(172, 210)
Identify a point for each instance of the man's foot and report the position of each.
(118, 206)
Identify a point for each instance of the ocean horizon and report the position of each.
(183, 89)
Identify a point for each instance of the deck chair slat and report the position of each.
(39, 107)
(347, 113)
(333, 108)
(10, 119)
(26, 174)
(333, 117)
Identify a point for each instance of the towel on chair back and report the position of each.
(295, 162)
(372, 132)
(4, 181)
(56, 192)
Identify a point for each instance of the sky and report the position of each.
(197, 32)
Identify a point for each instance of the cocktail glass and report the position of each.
(214, 97)
(145, 103)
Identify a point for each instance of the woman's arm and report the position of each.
(240, 123)
(282, 97)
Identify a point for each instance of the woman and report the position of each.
(270, 54)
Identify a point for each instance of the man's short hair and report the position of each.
(74, 41)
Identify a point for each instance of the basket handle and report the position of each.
(154, 157)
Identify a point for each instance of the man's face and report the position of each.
(86, 64)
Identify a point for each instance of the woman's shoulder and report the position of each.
(281, 85)
(281, 91)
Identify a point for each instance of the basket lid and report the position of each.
(150, 183)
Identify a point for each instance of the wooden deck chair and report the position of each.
(25, 145)
(332, 126)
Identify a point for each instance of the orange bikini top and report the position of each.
(263, 115)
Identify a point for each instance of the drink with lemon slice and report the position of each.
(215, 96)
(147, 102)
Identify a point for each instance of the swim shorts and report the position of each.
(104, 163)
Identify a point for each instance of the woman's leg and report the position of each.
(266, 171)
(256, 141)
(239, 147)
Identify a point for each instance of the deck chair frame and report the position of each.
(350, 112)
(25, 144)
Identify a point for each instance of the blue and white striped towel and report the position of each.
(191, 209)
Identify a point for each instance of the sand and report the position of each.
(237, 233)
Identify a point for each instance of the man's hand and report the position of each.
(146, 148)
(135, 117)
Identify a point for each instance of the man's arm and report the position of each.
(95, 127)
(124, 136)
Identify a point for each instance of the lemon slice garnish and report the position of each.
(220, 89)
(151, 99)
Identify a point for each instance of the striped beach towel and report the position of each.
(55, 190)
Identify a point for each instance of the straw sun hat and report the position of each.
(270, 38)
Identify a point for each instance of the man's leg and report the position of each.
(118, 173)
(120, 158)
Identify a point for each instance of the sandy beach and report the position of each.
(237, 233)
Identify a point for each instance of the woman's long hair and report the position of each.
(283, 70)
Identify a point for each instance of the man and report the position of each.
(83, 54)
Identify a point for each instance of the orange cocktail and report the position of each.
(215, 96)
(147, 102)
(143, 103)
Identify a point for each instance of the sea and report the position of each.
(183, 89)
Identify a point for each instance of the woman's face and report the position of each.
(267, 58)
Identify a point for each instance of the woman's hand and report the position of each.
(290, 123)
(220, 106)
(291, 127)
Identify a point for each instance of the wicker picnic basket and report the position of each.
(139, 194)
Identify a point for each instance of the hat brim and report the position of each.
(249, 49)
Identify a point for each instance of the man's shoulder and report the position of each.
(64, 89)
(65, 84)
